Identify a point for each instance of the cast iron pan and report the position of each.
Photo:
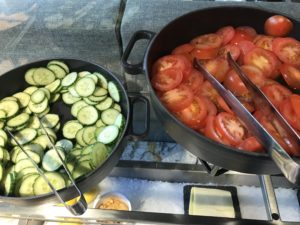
(182, 30)
(13, 81)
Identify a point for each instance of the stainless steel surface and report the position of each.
(286, 164)
(80, 206)
(269, 197)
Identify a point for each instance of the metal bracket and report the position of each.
(212, 170)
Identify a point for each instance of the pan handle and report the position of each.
(135, 68)
(132, 134)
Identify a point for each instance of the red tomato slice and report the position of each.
(287, 50)
(167, 79)
(236, 85)
(251, 144)
(218, 67)
(265, 60)
(230, 127)
(194, 114)
(211, 132)
(276, 93)
(278, 26)
(245, 47)
(178, 98)
(207, 41)
(264, 41)
(295, 101)
(178, 62)
(248, 31)
(233, 49)
(227, 33)
(194, 80)
(291, 75)
(287, 110)
(204, 53)
(183, 49)
(222, 105)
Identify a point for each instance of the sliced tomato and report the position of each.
(218, 67)
(167, 79)
(287, 110)
(264, 41)
(251, 144)
(248, 31)
(230, 127)
(207, 41)
(194, 114)
(194, 80)
(208, 91)
(291, 75)
(245, 47)
(211, 132)
(227, 33)
(178, 62)
(295, 101)
(276, 93)
(233, 49)
(222, 105)
(278, 26)
(204, 53)
(265, 60)
(177, 99)
(243, 34)
(236, 85)
(287, 50)
(183, 49)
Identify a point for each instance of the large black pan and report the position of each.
(13, 81)
(182, 30)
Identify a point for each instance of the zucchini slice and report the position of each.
(10, 107)
(71, 128)
(69, 79)
(59, 72)
(23, 98)
(29, 76)
(109, 116)
(59, 63)
(51, 160)
(113, 91)
(41, 186)
(26, 186)
(43, 76)
(18, 120)
(85, 86)
(88, 115)
(108, 134)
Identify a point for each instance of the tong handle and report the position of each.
(80, 206)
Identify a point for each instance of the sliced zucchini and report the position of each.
(9, 183)
(100, 91)
(73, 92)
(79, 137)
(41, 186)
(1, 172)
(89, 134)
(96, 98)
(26, 186)
(10, 107)
(38, 96)
(24, 136)
(113, 91)
(85, 86)
(29, 76)
(30, 90)
(3, 114)
(102, 80)
(100, 123)
(18, 120)
(59, 63)
(51, 160)
(88, 115)
(116, 106)
(65, 144)
(69, 79)
(24, 163)
(24, 172)
(89, 102)
(40, 107)
(71, 128)
(108, 134)
(50, 120)
(35, 156)
(34, 123)
(83, 73)
(105, 104)
(120, 121)
(81, 168)
(43, 76)
(23, 98)
(2, 142)
(54, 86)
(3, 134)
(55, 98)
(99, 154)
(43, 141)
(59, 72)
(77, 106)
(70, 99)
(109, 116)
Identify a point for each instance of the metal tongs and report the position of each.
(80, 206)
(289, 168)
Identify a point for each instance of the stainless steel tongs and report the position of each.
(289, 168)
(80, 206)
